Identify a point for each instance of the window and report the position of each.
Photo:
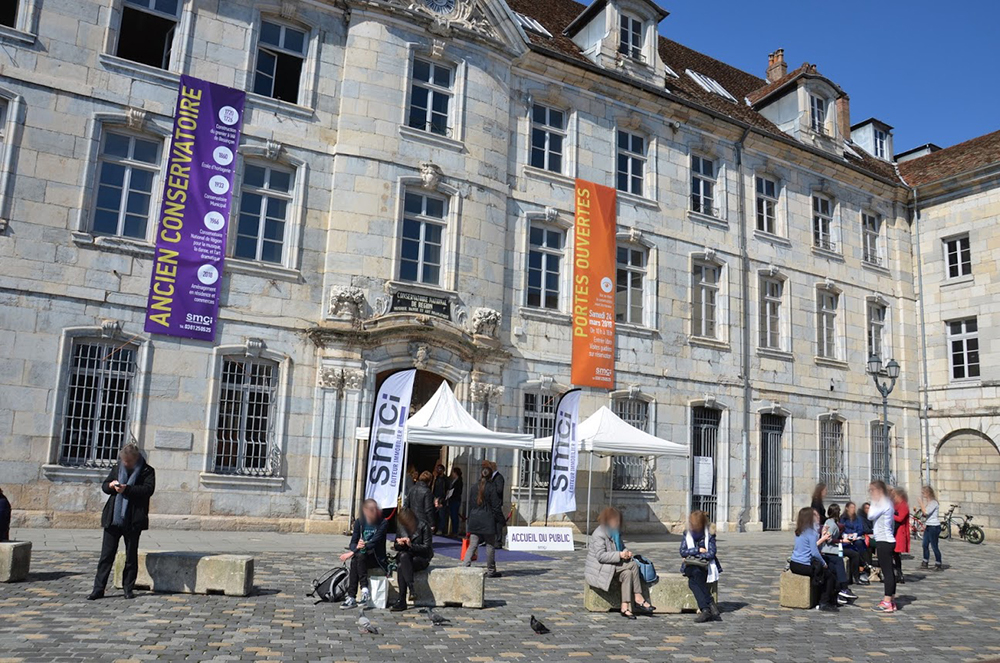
(264, 201)
(8, 13)
(709, 84)
(545, 251)
(881, 439)
(430, 97)
(531, 25)
(146, 32)
(631, 162)
(281, 52)
(538, 421)
(826, 323)
(102, 381)
(244, 431)
(771, 292)
(630, 40)
(876, 329)
(767, 205)
(631, 275)
(423, 230)
(832, 470)
(705, 424)
(704, 299)
(817, 114)
(823, 224)
(881, 144)
(871, 231)
(548, 134)
(703, 185)
(963, 342)
(631, 472)
(127, 170)
(958, 253)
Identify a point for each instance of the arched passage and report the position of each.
(968, 474)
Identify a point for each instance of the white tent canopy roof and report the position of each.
(605, 433)
(443, 421)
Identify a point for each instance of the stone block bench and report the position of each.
(191, 573)
(798, 591)
(444, 586)
(669, 595)
(15, 560)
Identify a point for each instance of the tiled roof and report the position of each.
(955, 160)
(556, 15)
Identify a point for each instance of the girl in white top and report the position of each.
(881, 514)
(929, 505)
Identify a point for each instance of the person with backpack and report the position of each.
(366, 551)
(700, 565)
(415, 548)
(482, 522)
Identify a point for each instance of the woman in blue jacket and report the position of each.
(700, 565)
(852, 532)
(808, 561)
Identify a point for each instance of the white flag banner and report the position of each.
(565, 451)
(387, 438)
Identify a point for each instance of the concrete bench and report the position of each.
(191, 573)
(15, 560)
(669, 595)
(798, 591)
(444, 586)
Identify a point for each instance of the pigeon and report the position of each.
(437, 619)
(365, 625)
(538, 627)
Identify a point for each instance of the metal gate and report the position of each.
(882, 452)
(772, 428)
(704, 442)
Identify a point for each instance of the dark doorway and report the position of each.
(772, 429)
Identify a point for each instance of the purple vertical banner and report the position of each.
(197, 194)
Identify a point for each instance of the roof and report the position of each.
(871, 120)
(807, 70)
(596, 6)
(557, 15)
(443, 421)
(955, 160)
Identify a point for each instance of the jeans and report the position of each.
(491, 551)
(836, 564)
(821, 575)
(109, 550)
(407, 564)
(931, 536)
(698, 584)
(442, 519)
(886, 550)
(854, 562)
(357, 574)
(453, 507)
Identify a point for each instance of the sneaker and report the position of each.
(885, 606)
(703, 616)
(841, 600)
(848, 594)
(494, 574)
(349, 602)
(863, 580)
(829, 607)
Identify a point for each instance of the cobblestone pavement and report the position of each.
(949, 616)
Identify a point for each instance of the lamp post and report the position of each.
(884, 388)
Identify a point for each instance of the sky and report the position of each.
(929, 69)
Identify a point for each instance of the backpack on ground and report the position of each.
(331, 586)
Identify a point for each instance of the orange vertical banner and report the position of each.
(594, 286)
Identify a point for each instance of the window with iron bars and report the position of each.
(244, 432)
(832, 470)
(538, 421)
(632, 472)
(98, 403)
(705, 424)
(881, 436)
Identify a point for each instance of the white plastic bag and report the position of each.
(378, 587)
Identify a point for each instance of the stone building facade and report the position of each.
(404, 199)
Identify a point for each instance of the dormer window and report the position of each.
(817, 114)
(709, 84)
(630, 41)
(531, 25)
(881, 144)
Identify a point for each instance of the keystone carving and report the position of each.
(346, 302)
(486, 322)
(430, 175)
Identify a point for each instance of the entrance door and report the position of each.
(704, 442)
(772, 428)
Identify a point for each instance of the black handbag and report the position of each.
(696, 561)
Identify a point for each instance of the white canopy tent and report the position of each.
(604, 433)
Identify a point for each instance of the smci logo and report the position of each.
(199, 319)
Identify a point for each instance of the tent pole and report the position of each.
(354, 475)
(611, 481)
(590, 481)
(531, 488)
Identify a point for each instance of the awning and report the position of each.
(606, 434)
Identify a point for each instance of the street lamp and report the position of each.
(884, 388)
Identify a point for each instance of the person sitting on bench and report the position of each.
(366, 551)
(608, 558)
(415, 548)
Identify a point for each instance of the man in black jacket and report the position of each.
(129, 484)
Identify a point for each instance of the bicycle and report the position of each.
(972, 533)
(917, 526)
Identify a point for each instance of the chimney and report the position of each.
(844, 116)
(776, 67)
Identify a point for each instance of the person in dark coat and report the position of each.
(498, 484)
(420, 500)
(439, 490)
(819, 494)
(415, 548)
(366, 551)
(482, 522)
(456, 487)
(129, 484)
(4, 517)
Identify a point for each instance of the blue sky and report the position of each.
(929, 69)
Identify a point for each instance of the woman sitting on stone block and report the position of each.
(807, 560)
(701, 566)
(608, 558)
(415, 548)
